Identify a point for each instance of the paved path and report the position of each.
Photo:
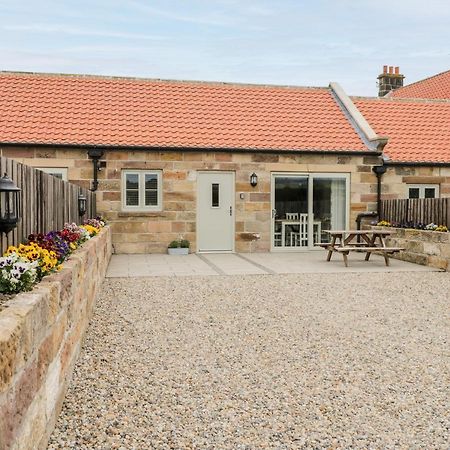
(249, 263)
(300, 361)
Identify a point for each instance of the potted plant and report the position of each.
(179, 246)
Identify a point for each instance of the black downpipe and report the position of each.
(95, 155)
(379, 172)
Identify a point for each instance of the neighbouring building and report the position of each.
(416, 120)
(231, 167)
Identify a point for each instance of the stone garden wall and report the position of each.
(41, 334)
(429, 248)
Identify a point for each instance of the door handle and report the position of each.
(231, 210)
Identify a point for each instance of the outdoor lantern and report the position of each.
(9, 204)
(253, 179)
(82, 202)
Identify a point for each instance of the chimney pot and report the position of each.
(384, 69)
(397, 70)
(391, 70)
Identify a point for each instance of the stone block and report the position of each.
(260, 196)
(158, 226)
(438, 262)
(47, 153)
(108, 185)
(34, 425)
(265, 157)
(423, 179)
(255, 227)
(178, 227)
(223, 157)
(417, 258)
(257, 206)
(179, 197)
(239, 226)
(431, 248)
(18, 152)
(52, 385)
(244, 187)
(445, 250)
(368, 197)
(414, 246)
(10, 348)
(111, 195)
(193, 156)
(25, 390)
(171, 156)
(186, 215)
(191, 226)
(51, 345)
(32, 311)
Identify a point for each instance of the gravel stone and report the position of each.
(336, 361)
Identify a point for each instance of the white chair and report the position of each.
(277, 239)
(300, 238)
(291, 216)
(317, 232)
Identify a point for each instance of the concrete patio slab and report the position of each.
(125, 266)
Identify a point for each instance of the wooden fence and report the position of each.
(417, 210)
(47, 202)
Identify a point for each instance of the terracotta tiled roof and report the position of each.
(437, 86)
(61, 109)
(418, 130)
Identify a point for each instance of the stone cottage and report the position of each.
(230, 167)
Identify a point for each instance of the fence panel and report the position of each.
(47, 202)
(417, 210)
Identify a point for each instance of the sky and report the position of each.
(294, 42)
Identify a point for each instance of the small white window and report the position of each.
(141, 190)
(423, 191)
(215, 195)
(58, 172)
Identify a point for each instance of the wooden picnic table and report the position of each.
(343, 241)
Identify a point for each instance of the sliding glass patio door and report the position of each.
(305, 206)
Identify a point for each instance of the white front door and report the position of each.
(215, 211)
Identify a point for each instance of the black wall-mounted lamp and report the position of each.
(82, 204)
(253, 179)
(9, 204)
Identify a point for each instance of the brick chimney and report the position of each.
(390, 79)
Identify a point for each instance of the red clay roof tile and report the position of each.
(418, 131)
(57, 109)
(435, 87)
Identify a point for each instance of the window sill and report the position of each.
(141, 214)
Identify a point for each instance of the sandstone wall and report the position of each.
(396, 179)
(429, 248)
(41, 333)
(150, 232)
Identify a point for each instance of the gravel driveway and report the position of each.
(264, 361)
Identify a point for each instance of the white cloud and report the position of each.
(77, 31)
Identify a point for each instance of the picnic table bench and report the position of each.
(370, 241)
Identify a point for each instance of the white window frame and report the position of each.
(311, 177)
(141, 207)
(55, 171)
(422, 188)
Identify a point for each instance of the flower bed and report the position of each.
(414, 226)
(23, 266)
